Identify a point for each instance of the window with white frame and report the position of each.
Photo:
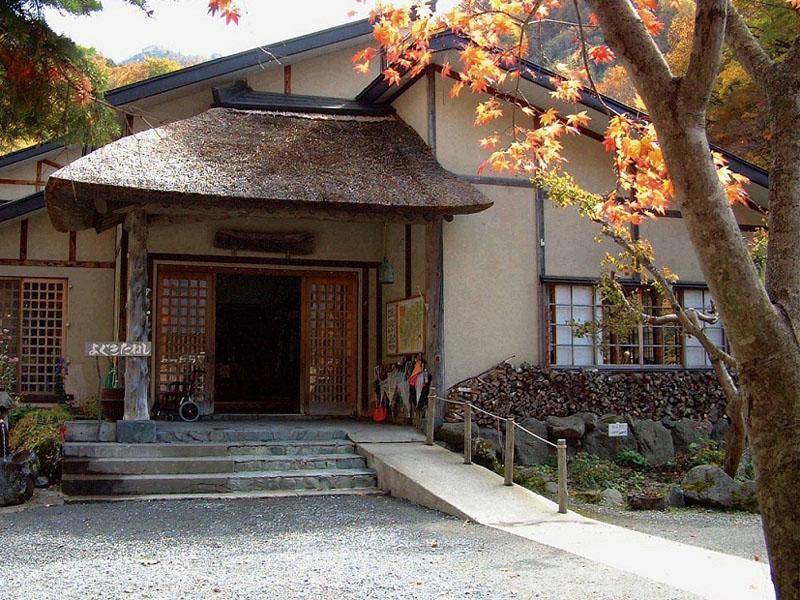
(578, 338)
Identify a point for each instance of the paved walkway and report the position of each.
(437, 478)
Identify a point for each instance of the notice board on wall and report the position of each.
(405, 326)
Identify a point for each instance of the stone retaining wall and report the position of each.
(528, 391)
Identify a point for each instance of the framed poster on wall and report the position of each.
(405, 326)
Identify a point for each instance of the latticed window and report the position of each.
(579, 335)
(32, 331)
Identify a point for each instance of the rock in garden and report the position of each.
(452, 434)
(647, 502)
(589, 420)
(17, 478)
(719, 431)
(483, 453)
(654, 441)
(42, 481)
(551, 487)
(568, 428)
(527, 449)
(687, 432)
(675, 498)
(709, 485)
(612, 497)
(494, 437)
(744, 497)
(598, 443)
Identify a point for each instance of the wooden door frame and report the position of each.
(360, 270)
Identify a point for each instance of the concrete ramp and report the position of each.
(436, 478)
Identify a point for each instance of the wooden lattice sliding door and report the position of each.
(185, 333)
(41, 334)
(330, 336)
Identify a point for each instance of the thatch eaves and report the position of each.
(253, 162)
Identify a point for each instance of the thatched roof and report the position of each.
(250, 162)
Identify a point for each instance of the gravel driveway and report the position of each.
(315, 547)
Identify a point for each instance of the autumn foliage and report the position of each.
(495, 42)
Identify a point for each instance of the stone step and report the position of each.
(179, 432)
(329, 479)
(212, 464)
(205, 449)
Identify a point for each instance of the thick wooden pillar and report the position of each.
(137, 369)
(434, 301)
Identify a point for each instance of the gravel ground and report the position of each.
(736, 533)
(314, 547)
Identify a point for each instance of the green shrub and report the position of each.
(589, 472)
(707, 453)
(18, 412)
(40, 431)
(534, 477)
(631, 459)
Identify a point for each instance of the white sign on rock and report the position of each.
(617, 430)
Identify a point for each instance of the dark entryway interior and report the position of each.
(258, 344)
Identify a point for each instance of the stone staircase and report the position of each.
(217, 459)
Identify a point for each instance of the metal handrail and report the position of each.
(560, 446)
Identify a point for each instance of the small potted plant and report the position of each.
(112, 398)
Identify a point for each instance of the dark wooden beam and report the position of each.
(73, 246)
(78, 264)
(287, 79)
(23, 239)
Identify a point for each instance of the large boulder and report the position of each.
(686, 432)
(483, 453)
(590, 420)
(719, 431)
(569, 428)
(527, 449)
(744, 498)
(494, 438)
(452, 434)
(654, 441)
(17, 478)
(598, 443)
(709, 485)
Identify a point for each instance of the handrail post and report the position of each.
(467, 433)
(430, 415)
(562, 475)
(509, 453)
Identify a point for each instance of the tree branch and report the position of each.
(709, 34)
(628, 38)
(747, 48)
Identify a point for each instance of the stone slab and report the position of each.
(90, 431)
(136, 432)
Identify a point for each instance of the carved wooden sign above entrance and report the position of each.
(283, 242)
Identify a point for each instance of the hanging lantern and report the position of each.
(386, 272)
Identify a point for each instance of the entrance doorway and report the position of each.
(258, 344)
(264, 341)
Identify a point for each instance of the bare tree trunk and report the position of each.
(736, 438)
(759, 326)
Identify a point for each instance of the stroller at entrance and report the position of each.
(179, 399)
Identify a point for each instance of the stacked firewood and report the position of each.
(529, 391)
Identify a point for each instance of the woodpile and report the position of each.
(529, 391)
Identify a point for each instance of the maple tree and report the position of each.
(662, 157)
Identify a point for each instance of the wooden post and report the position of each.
(562, 476)
(509, 453)
(467, 433)
(137, 369)
(434, 302)
(430, 416)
